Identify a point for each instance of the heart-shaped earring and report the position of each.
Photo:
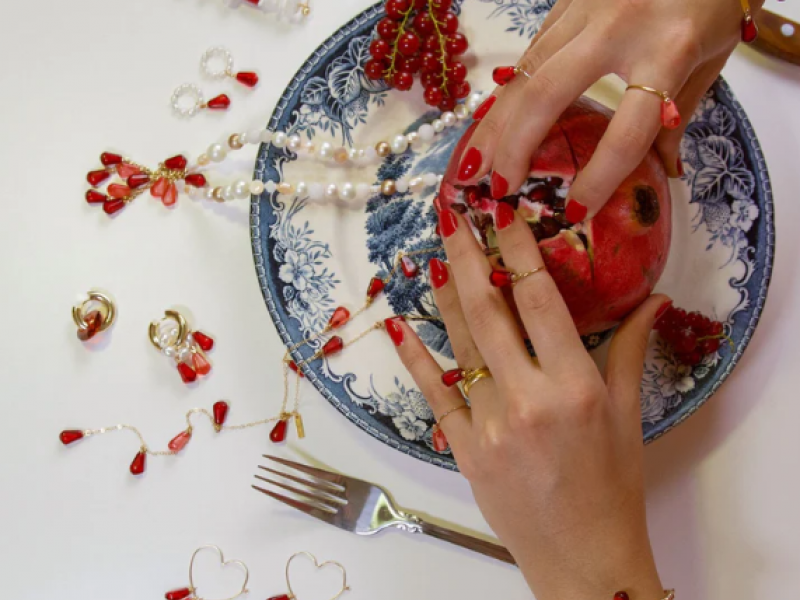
(190, 592)
(328, 563)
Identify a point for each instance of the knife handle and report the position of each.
(468, 542)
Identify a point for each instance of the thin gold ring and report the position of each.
(450, 412)
(521, 71)
(517, 277)
(665, 97)
(79, 312)
(474, 376)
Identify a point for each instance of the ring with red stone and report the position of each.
(670, 117)
(500, 278)
(173, 337)
(93, 315)
(505, 75)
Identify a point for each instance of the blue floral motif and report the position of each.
(526, 16)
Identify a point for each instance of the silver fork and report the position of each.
(359, 506)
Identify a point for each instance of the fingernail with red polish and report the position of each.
(484, 108)
(470, 164)
(438, 271)
(448, 222)
(503, 215)
(499, 186)
(394, 330)
(576, 212)
(662, 309)
(679, 166)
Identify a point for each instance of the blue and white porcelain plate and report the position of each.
(312, 257)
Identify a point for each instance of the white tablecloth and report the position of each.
(81, 77)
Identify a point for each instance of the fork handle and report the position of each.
(468, 542)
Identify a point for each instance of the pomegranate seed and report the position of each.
(376, 286)
(196, 180)
(179, 442)
(220, 413)
(139, 463)
(95, 178)
(247, 78)
(176, 163)
(333, 346)
(205, 342)
(108, 159)
(452, 377)
(278, 433)
(187, 373)
(70, 436)
(339, 317)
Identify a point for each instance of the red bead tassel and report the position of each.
(220, 414)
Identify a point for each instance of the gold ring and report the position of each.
(80, 313)
(670, 116)
(441, 419)
(180, 338)
(473, 376)
(517, 277)
(521, 71)
(665, 97)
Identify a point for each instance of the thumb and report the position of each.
(627, 352)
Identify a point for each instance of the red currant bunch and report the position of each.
(421, 37)
(691, 335)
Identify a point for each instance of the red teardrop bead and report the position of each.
(220, 413)
(94, 197)
(159, 188)
(119, 191)
(180, 594)
(188, 374)
(501, 278)
(339, 317)
(749, 30)
(108, 159)
(220, 102)
(205, 342)
(94, 321)
(247, 78)
(278, 433)
(670, 117)
(410, 268)
(125, 170)
(293, 367)
(281, 597)
(621, 596)
(113, 206)
(179, 442)
(333, 346)
(138, 180)
(201, 364)
(376, 286)
(452, 377)
(139, 463)
(439, 439)
(176, 163)
(95, 178)
(171, 195)
(503, 75)
(70, 436)
(196, 180)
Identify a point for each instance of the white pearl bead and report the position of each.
(189, 339)
(217, 152)
(209, 193)
(449, 119)
(243, 137)
(271, 186)
(474, 102)
(169, 352)
(228, 193)
(301, 189)
(412, 138)
(371, 155)
(316, 191)
(295, 143)
(325, 151)
(416, 184)
(254, 136)
(331, 191)
(438, 125)
(184, 354)
(241, 189)
(375, 188)
(347, 192)
(399, 144)
(256, 187)
(279, 139)
(426, 133)
(461, 112)
(266, 136)
(430, 179)
(196, 193)
(308, 147)
(363, 191)
(401, 185)
(352, 154)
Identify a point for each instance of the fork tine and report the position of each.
(324, 487)
(321, 497)
(333, 478)
(309, 509)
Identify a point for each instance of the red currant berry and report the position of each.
(430, 62)
(685, 341)
(708, 346)
(408, 43)
(457, 44)
(440, 5)
(374, 69)
(409, 64)
(419, 4)
(397, 9)
(456, 71)
(432, 44)
(449, 23)
(403, 81)
(379, 48)
(423, 24)
(462, 90)
(692, 359)
(715, 328)
(447, 103)
(431, 79)
(388, 29)
(389, 80)
(433, 96)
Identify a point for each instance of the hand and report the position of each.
(678, 46)
(552, 448)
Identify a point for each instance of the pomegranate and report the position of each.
(604, 267)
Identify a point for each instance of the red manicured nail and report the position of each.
(438, 271)
(662, 309)
(448, 222)
(679, 166)
(576, 212)
(484, 108)
(503, 215)
(394, 330)
(499, 186)
(470, 164)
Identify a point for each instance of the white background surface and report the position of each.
(81, 77)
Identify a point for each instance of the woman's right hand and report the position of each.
(552, 447)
